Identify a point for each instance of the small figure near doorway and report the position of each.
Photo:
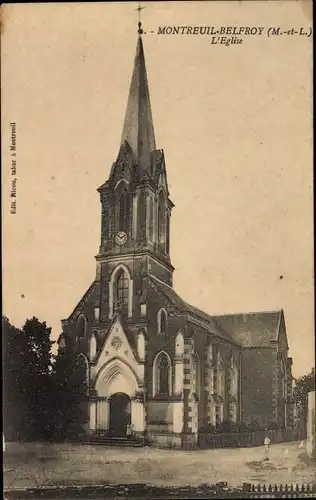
(267, 442)
(129, 431)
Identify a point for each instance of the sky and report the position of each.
(235, 124)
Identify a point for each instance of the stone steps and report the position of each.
(115, 441)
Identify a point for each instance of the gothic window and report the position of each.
(162, 221)
(142, 215)
(81, 327)
(121, 289)
(162, 374)
(162, 322)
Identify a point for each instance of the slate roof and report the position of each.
(183, 307)
(138, 129)
(256, 329)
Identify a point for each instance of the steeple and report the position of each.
(138, 128)
(136, 208)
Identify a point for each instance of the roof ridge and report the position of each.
(194, 311)
(271, 311)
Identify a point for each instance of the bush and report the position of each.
(228, 427)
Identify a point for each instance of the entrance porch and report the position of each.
(117, 403)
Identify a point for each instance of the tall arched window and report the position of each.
(141, 215)
(162, 325)
(81, 327)
(121, 290)
(162, 221)
(162, 374)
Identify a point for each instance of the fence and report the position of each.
(245, 439)
(279, 491)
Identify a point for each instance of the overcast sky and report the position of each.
(235, 124)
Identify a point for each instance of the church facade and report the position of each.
(153, 360)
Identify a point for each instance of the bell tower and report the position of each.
(135, 203)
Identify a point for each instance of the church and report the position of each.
(153, 361)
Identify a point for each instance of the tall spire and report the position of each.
(138, 128)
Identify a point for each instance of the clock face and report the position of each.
(121, 238)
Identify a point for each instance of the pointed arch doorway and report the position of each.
(120, 414)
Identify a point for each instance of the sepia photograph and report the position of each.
(158, 325)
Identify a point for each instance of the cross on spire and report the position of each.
(139, 9)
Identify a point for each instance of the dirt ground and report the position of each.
(42, 465)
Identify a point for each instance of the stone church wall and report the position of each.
(257, 385)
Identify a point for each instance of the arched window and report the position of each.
(141, 216)
(121, 290)
(162, 324)
(163, 378)
(162, 221)
(81, 327)
(162, 374)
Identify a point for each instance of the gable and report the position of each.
(116, 346)
(123, 167)
(87, 303)
(282, 335)
(173, 302)
(252, 329)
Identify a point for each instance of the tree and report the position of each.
(70, 393)
(14, 344)
(303, 386)
(37, 364)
